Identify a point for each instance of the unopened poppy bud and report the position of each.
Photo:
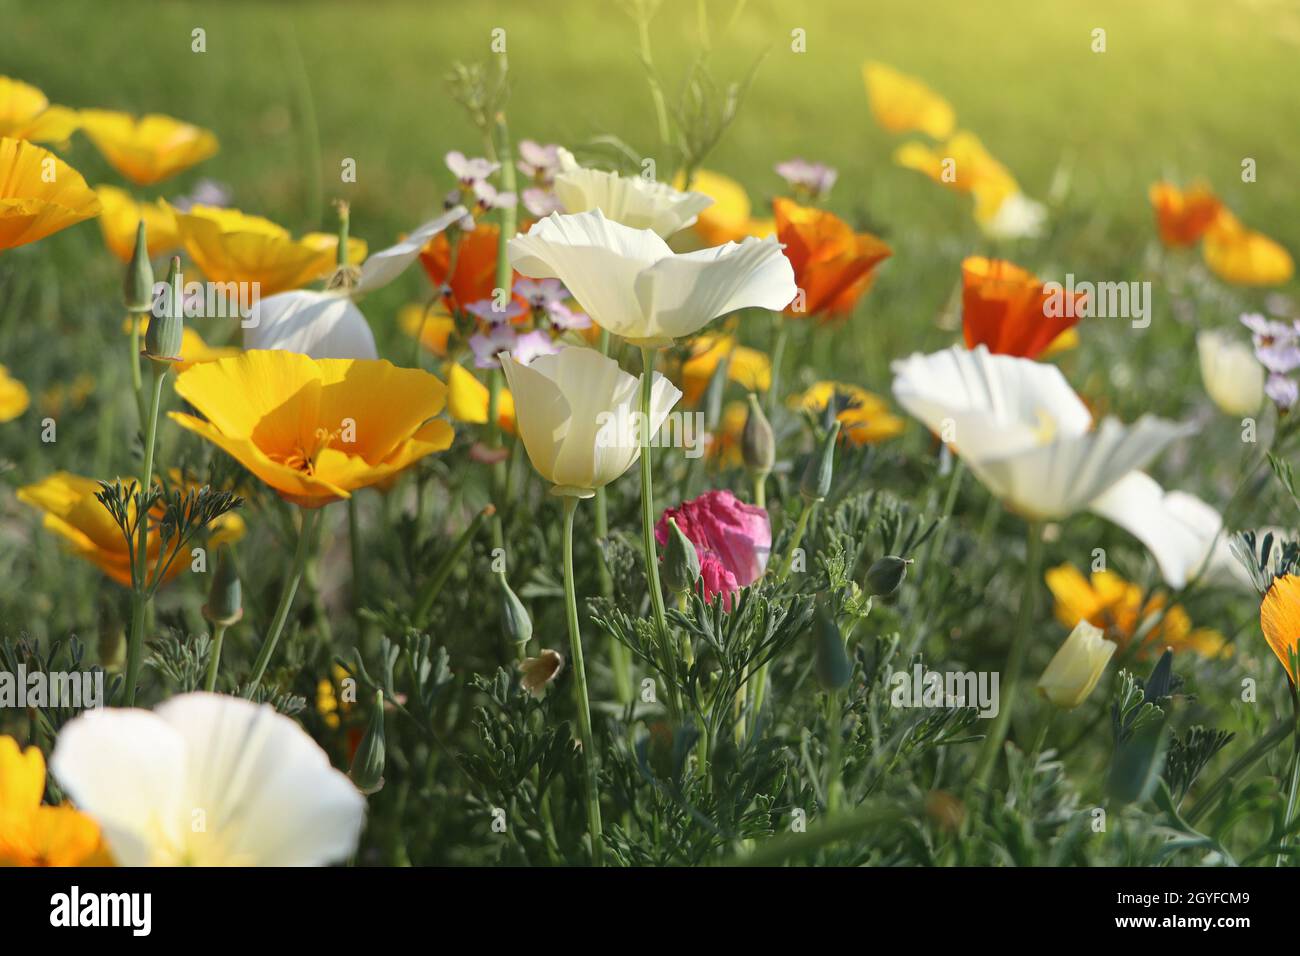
(367, 771)
(681, 562)
(817, 474)
(537, 672)
(833, 667)
(1076, 667)
(516, 625)
(886, 574)
(225, 597)
(162, 339)
(757, 444)
(137, 289)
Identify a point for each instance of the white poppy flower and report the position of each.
(1023, 431)
(578, 414)
(634, 201)
(328, 324)
(1076, 667)
(632, 284)
(208, 780)
(1180, 530)
(1017, 217)
(1233, 377)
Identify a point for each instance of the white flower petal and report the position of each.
(386, 265)
(1233, 377)
(319, 324)
(631, 200)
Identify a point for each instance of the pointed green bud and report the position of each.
(225, 598)
(162, 340)
(681, 567)
(817, 474)
(833, 667)
(757, 444)
(886, 575)
(516, 625)
(137, 288)
(367, 771)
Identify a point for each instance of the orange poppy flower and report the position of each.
(476, 263)
(833, 265)
(1183, 217)
(32, 833)
(1005, 308)
(1279, 618)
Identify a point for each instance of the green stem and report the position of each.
(1015, 657)
(800, 527)
(137, 380)
(781, 332)
(648, 524)
(446, 566)
(581, 693)
(835, 755)
(620, 658)
(760, 490)
(214, 658)
(1294, 783)
(310, 517)
(140, 595)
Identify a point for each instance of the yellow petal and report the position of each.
(121, 215)
(150, 148)
(1279, 618)
(22, 778)
(14, 397)
(39, 194)
(25, 113)
(1245, 257)
(468, 398)
(902, 103)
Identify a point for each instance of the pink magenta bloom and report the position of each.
(732, 540)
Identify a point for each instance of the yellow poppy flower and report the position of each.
(25, 113)
(32, 834)
(147, 149)
(193, 348)
(433, 331)
(902, 103)
(62, 396)
(328, 703)
(14, 398)
(1279, 618)
(724, 441)
(730, 218)
(74, 513)
(467, 399)
(1107, 601)
(39, 194)
(315, 430)
(749, 368)
(121, 216)
(964, 165)
(1242, 256)
(866, 421)
(230, 246)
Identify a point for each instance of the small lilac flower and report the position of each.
(539, 163)
(486, 345)
(488, 197)
(532, 344)
(541, 202)
(814, 179)
(470, 171)
(486, 309)
(206, 192)
(1282, 390)
(1266, 330)
(549, 297)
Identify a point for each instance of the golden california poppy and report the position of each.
(475, 277)
(121, 215)
(1183, 216)
(230, 246)
(833, 265)
(315, 430)
(749, 368)
(963, 165)
(147, 149)
(25, 113)
(1006, 308)
(1279, 618)
(730, 217)
(1242, 256)
(433, 326)
(865, 419)
(14, 397)
(32, 834)
(902, 103)
(74, 513)
(39, 194)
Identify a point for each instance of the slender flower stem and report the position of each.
(214, 657)
(581, 693)
(1015, 657)
(310, 518)
(648, 521)
(835, 755)
(760, 490)
(137, 380)
(800, 527)
(444, 568)
(140, 594)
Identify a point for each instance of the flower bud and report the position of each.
(225, 597)
(1074, 671)
(886, 575)
(681, 565)
(833, 667)
(367, 771)
(137, 289)
(516, 625)
(162, 339)
(817, 474)
(540, 671)
(757, 444)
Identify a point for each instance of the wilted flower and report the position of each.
(1076, 667)
(807, 179)
(1183, 216)
(33, 204)
(315, 430)
(1006, 308)
(147, 149)
(208, 780)
(1233, 377)
(902, 103)
(733, 540)
(865, 418)
(14, 397)
(32, 834)
(1279, 619)
(568, 409)
(540, 671)
(833, 265)
(632, 201)
(631, 283)
(25, 113)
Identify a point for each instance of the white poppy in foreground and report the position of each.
(1076, 667)
(578, 415)
(1233, 377)
(208, 780)
(328, 325)
(1180, 530)
(631, 200)
(632, 284)
(1023, 431)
